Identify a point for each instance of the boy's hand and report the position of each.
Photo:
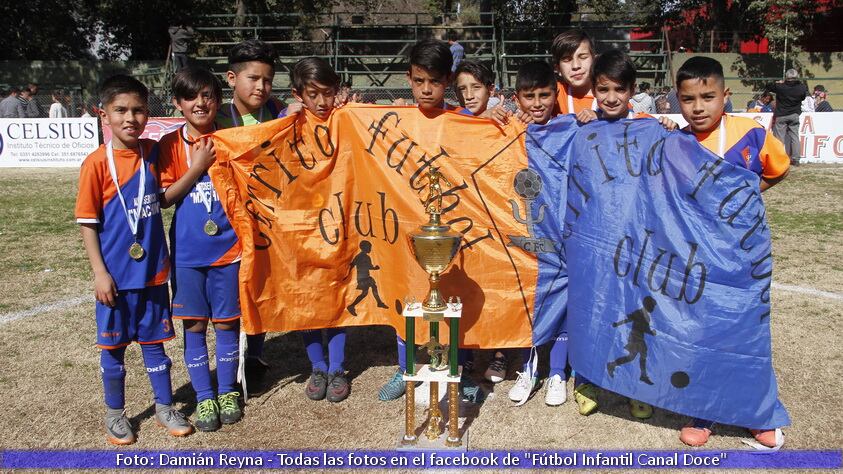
(668, 124)
(586, 115)
(399, 101)
(202, 153)
(498, 114)
(294, 108)
(105, 290)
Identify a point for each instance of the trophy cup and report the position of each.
(434, 246)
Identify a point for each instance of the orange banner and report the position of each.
(323, 209)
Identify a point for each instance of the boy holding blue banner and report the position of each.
(702, 93)
(120, 217)
(205, 249)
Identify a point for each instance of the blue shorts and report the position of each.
(207, 293)
(139, 315)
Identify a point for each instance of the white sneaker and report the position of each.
(524, 386)
(556, 391)
(497, 370)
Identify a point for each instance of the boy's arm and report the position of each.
(498, 113)
(202, 156)
(104, 288)
(586, 115)
(775, 162)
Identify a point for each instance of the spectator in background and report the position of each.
(57, 108)
(642, 102)
(761, 104)
(23, 102)
(821, 103)
(662, 105)
(33, 110)
(728, 107)
(789, 96)
(457, 51)
(673, 100)
(180, 39)
(9, 104)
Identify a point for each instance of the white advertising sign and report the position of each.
(47, 143)
(821, 137)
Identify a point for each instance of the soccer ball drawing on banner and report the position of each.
(527, 184)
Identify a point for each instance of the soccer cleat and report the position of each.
(586, 398)
(317, 385)
(207, 415)
(338, 388)
(497, 369)
(394, 389)
(168, 417)
(230, 411)
(524, 387)
(118, 430)
(556, 393)
(696, 433)
(470, 392)
(640, 410)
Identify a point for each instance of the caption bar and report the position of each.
(527, 459)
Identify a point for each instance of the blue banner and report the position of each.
(670, 264)
(202, 460)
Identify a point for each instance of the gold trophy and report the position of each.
(434, 245)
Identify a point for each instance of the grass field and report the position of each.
(52, 394)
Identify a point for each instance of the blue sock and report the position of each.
(158, 368)
(113, 377)
(254, 344)
(336, 350)
(402, 354)
(465, 358)
(198, 367)
(228, 357)
(313, 347)
(559, 355)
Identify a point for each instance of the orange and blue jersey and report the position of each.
(585, 102)
(748, 145)
(190, 245)
(98, 203)
(228, 115)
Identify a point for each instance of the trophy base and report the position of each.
(438, 444)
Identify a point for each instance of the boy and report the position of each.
(536, 93)
(573, 55)
(205, 249)
(251, 69)
(123, 234)
(428, 76)
(613, 82)
(475, 84)
(315, 87)
(701, 89)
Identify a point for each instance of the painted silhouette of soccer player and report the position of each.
(636, 346)
(363, 263)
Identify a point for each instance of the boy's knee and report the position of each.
(227, 326)
(195, 325)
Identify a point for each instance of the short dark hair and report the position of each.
(566, 43)
(702, 68)
(534, 74)
(251, 50)
(190, 80)
(644, 86)
(309, 70)
(480, 71)
(453, 35)
(122, 84)
(432, 55)
(616, 66)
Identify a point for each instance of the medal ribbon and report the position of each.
(722, 137)
(206, 200)
(133, 223)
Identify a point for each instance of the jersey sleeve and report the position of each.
(168, 169)
(89, 200)
(774, 159)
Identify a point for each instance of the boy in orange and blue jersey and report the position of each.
(205, 249)
(120, 216)
(701, 89)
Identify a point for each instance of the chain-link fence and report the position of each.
(70, 96)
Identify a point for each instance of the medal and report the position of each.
(136, 251)
(211, 227)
